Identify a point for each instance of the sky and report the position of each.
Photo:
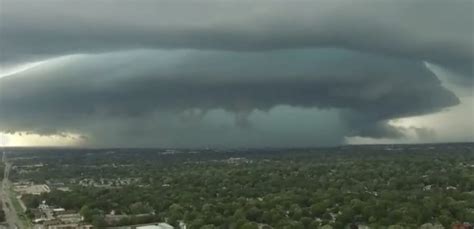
(221, 73)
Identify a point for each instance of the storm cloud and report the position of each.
(432, 30)
(367, 90)
(189, 73)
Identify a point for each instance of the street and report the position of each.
(11, 215)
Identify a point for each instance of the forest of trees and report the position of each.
(281, 189)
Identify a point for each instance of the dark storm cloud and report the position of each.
(68, 93)
(194, 72)
(439, 31)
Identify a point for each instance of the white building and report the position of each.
(156, 226)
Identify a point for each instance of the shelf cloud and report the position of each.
(365, 89)
(168, 72)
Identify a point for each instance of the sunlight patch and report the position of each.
(30, 139)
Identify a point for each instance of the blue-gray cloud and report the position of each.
(142, 70)
(365, 90)
(432, 30)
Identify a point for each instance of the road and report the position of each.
(10, 212)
